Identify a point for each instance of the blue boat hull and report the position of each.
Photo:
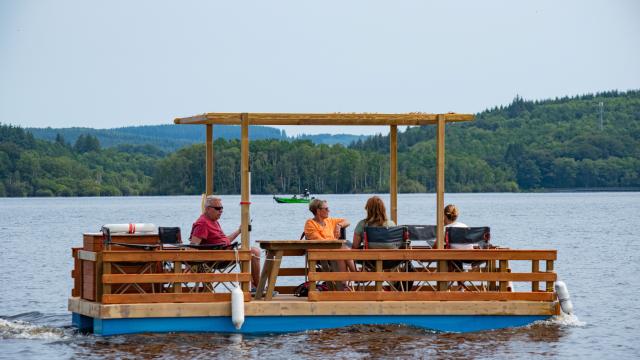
(283, 324)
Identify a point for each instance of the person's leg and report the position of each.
(349, 264)
(255, 266)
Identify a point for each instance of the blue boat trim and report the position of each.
(284, 324)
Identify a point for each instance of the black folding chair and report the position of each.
(388, 237)
(468, 238)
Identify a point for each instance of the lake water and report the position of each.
(595, 234)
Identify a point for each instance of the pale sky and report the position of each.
(120, 63)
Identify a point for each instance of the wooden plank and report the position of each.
(175, 255)
(425, 276)
(286, 289)
(312, 270)
(440, 152)
(106, 271)
(292, 272)
(550, 269)
(393, 171)
(411, 119)
(98, 276)
(87, 255)
(209, 160)
(245, 190)
(88, 280)
(294, 252)
(443, 266)
(171, 278)
(431, 255)
(293, 306)
(428, 296)
(504, 269)
(300, 246)
(273, 275)
(535, 267)
(76, 291)
(168, 297)
(94, 241)
(177, 269)
(267, 268)
(378, 271)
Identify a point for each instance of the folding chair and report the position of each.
(170, 237)
(467, 238)
(392, 237)
(222, 266)
(423, 237)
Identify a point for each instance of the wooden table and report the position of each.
(276, 249)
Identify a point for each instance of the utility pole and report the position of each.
(601, 110)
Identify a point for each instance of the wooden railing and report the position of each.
(489, 280)
(173, 276)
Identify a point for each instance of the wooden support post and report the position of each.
(244, 190)
(535, 268)
(98, 276)
(378, 272)
(442, 265)
(504, 265)
(550, 270)
(393, 171)
(312, 268)
(106, 270)
(177, 269)
(210, 161)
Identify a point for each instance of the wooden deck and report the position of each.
(289, 305)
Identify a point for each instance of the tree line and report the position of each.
(570, 142)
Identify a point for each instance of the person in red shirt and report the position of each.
(207, 231)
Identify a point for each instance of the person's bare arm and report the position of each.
(233, 235)
(342, 224)
(195, 240)
(356, 241)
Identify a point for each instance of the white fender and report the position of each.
(237, 307)
(131, 228)
(563, 297)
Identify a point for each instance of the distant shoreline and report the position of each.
(540, 191)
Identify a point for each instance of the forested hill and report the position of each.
(525, 146)
(172, 137)
(166, 137)
(550, 144)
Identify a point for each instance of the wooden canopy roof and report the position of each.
(343, 119)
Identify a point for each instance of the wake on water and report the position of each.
(568, 320)
(37, 326)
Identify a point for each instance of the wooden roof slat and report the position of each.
(340, 119)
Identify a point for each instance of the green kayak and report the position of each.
(292, 200)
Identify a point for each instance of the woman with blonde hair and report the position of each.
(376, 216)
(451, 217)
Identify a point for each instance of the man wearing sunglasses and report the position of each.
(207, 231)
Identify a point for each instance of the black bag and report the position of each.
(302, 290)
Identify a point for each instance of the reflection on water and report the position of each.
(351, 342)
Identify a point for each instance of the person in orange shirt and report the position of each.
(323, 227)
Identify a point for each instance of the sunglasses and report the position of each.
(324, 208)
(219, 208)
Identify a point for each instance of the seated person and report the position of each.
(376, 216)
(323, 227)
(451, 220)
(207, 231)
